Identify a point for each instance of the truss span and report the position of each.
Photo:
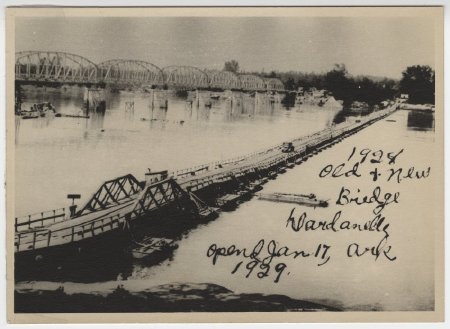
(62, 67)
(54, 67)
(252, 82)
(112, 193)
(273, 84)
(223, 80)
(159, 195)
(131, 72)
(185, 77)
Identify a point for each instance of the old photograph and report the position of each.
(174, 161)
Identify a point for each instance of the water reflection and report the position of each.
(345, 113)
(420, 120)
(96, 121)
(17, 128)
(160, 109)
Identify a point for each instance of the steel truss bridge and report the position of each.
(66, 68)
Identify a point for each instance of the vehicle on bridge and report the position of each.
(287, 147)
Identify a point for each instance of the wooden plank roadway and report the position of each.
(104, 220)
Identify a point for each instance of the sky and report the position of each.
(381, 46)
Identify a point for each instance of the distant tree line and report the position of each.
(341, 84)
(417, 81)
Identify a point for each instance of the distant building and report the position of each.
(331, 102)
(403, 98)
(316, 97)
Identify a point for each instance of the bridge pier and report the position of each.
(158, 99)
(258, 101)
(200, 98)
(94, 100)
(236, 100)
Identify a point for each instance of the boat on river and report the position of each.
(153, 248)
(255, 186)
(29, 114)
(290, 165)
(228, 201)
(207, 213)
(272, 175)
(38, 110)
(302, 199)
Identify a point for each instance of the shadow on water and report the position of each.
(97, 120)
(345, 113)
(110, 260)
(420, 120)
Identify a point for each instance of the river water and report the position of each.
(56, 156)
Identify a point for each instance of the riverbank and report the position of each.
(176, 297)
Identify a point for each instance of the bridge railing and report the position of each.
(35, 239)
(45, 238)
(182, 173)
(310, 140)
(39, 219)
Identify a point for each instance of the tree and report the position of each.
(418, 82)
(340, 84)
(373, 92)
(231, 66)
(290, 84)
(272, 74)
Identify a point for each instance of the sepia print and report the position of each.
(225, 164)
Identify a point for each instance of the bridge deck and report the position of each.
(74, 229)
(255, 161)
